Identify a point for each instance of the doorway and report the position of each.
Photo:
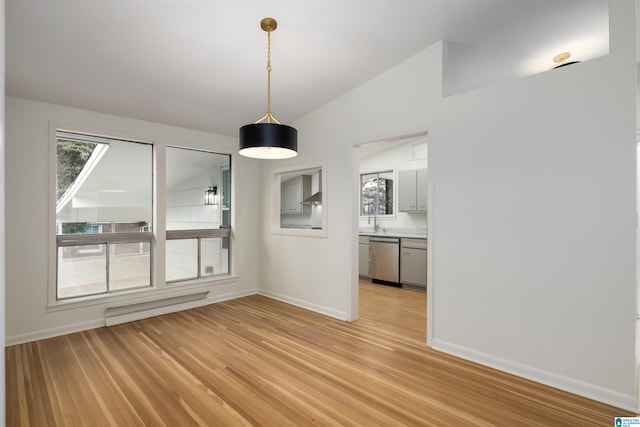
(381, 166)
(638, 271)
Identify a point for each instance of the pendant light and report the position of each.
(268, 138)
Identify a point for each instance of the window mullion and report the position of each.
(107, 257)
(199, 256)
(103, 238)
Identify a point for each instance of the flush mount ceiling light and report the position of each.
(268, 138)
(560, 60)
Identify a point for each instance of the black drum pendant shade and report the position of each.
(268, 138)
(268, 141)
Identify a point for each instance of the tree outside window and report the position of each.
(376, 193)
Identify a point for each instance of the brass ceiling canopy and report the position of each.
(560, 60)
(271, 139)
(268, 24)
(561, 57)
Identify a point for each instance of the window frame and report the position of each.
(203, 233)
(276, 186)
(394, 195)
(159, 288)
(90, 240)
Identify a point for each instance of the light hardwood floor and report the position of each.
(256, 361)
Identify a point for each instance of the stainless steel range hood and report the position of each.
(314, 199)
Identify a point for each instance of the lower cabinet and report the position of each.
(363, 256)
(413, 263)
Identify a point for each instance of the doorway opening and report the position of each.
(392, 231)
(638, 271)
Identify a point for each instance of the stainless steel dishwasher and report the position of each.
(385, 260)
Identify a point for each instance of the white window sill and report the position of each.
(302, 232)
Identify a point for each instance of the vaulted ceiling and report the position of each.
(202, 64)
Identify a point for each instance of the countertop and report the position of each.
(399, 233)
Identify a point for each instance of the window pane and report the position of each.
(214, 256)
(368, 191)
(81, 270)
(182, 259)
(198, 198)
(104, 185)
(301, 199)
(376, 193)
(385, 193)
(129, 265)
(190, 173)
(71, 157)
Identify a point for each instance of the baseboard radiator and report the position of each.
(143, 310)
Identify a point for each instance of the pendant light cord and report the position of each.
(269, 116)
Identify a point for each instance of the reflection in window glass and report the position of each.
(190, 174)
(81, 272)
(198, 195)
(301, 199)
(214, 256)
(129, 265)
(182, 259)
(376, 193)
(104, 186)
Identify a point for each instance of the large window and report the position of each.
(376, 194)
(198, 210)
(106, 240)
(104, 190)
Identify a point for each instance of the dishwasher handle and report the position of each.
(384, 239)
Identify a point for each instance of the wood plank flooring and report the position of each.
(255, 361)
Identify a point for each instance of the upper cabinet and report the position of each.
(412, 190)
(293, 192)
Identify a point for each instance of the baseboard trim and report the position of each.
(98, 323)
(53, 332)
(601, 394)
(304, 304)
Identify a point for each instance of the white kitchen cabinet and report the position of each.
(293, 192)
(412, 190)
(413, 263)
(364, 256)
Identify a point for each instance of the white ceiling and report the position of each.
(202, 64)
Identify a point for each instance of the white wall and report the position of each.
(532, 220)
(321, 273)
(533, 223)
(2, 214)
(28, 235)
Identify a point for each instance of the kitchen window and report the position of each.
(376, 194)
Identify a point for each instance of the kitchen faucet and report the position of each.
(375, 220)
